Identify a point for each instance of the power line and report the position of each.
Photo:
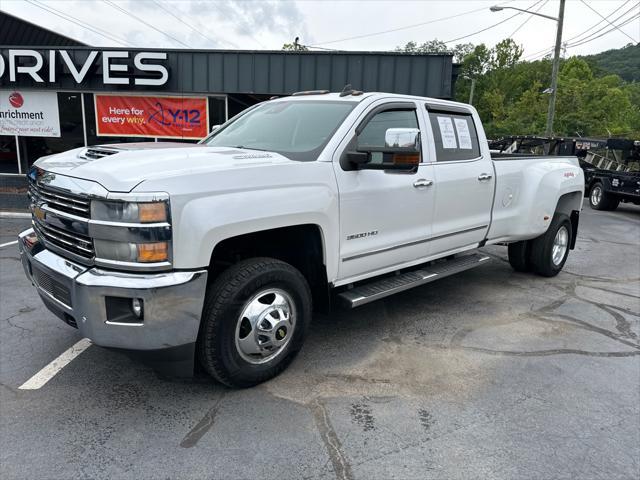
(592, 34)
(598, 13)
(489, 27)
(80, 23)
(198, 31)
(406, 27)
(599, 22)
(584, 41)
(636, 16)
(122, 10)
(528, 18)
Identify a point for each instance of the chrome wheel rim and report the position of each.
(265, 326)
(596, 195)
(560, 243)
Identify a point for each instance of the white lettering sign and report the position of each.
(78, 76)
(115, 66)
(29, 114)
(31, 69)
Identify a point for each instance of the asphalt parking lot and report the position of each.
(488, 374)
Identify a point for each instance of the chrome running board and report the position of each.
(378, 289)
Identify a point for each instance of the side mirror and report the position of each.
(214, 128)
(406, 140)
(400, 152)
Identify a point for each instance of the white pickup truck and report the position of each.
(219, 252)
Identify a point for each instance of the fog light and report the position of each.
(136, 306)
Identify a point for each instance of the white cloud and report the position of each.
(269, 24)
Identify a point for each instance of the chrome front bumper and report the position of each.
(78, 294)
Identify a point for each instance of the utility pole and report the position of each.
(473, 88)
(554, 72)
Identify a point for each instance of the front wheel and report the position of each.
(254, 321)
(550, 250)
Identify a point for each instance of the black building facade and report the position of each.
(35, 60)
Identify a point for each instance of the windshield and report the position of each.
(299, 130)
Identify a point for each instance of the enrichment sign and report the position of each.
(29, 114)
(146, 116)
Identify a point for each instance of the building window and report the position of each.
(71, 132)
(92, 137)
(8, 155)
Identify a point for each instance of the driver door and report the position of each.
(385, 215)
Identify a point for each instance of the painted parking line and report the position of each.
(51, 370)
(8, 243)
(14, 215)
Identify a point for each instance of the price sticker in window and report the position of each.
(447, 132)
(464, 136)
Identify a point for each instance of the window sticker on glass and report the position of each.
(447, 132)
(464, 137)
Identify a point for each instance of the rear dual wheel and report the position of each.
(601, 200)
(546, 254)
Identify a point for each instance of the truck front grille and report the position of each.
(72, 242)
(63, 201)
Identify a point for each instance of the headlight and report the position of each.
(129, 212)
(132, 234)
(132, 252)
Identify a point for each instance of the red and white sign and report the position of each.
(29, 114)
(16, 99)
(146, 116)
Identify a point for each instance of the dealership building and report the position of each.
(57, 93)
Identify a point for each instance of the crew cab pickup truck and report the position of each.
(219, 252)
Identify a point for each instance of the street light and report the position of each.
(496, 8)
(556, 58)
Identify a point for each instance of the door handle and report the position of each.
(423, 182)
(484, 176)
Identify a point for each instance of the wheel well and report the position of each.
(570, 204)
(593, 181)
(300, 246)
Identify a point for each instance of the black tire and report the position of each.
(224, 303)
(603, 200)
(519, 256)
(542, 247)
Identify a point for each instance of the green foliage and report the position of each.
(624, 62)
(437, 46)
(294, 47)
(509, 94)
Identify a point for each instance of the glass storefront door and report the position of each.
(8, 155)
(71, 130)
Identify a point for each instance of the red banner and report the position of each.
(142, 116)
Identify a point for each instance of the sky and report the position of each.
(342, 25)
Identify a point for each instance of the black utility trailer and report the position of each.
(611, 166)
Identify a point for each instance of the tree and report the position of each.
(510, 93)
(295, 46)
(438, 46)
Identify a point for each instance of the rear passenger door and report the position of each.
(464, 180)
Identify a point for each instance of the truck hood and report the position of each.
(120, 167)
